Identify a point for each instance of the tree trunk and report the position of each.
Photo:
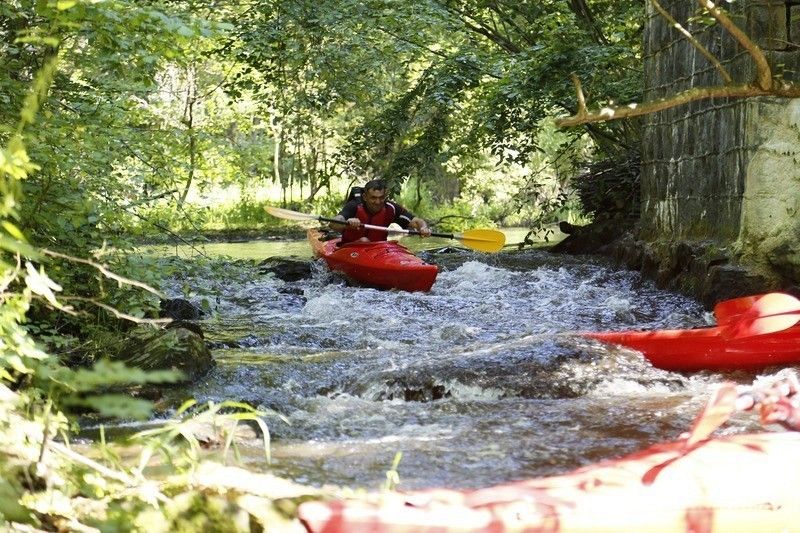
(188, 120)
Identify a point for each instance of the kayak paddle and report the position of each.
(727, 311)
(770, 313)
(483, 240)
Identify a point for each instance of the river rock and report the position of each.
(286, 269)
(214, 433)
(179, 309)
(174, 348)
(785, 259)
(701, 269)
(727, 281)
(592, 238)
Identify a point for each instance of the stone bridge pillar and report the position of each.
(724, 170)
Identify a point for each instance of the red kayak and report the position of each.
(708, 348)
(381, 264)
(752, 332)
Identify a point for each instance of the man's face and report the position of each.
(374, 200)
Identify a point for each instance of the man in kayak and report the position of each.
(373, 208)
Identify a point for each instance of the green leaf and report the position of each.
(117, 405)
(185, 31)
(108, 373)
(15, 246)
(13, 230)
(65, 4)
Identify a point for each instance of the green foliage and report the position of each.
(452, 82)
(120, 120)
(244, 213)
(89, 387)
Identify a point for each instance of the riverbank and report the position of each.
(706, 270)
(271, 233)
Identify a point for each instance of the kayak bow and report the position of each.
(752, 332)
(381, 264)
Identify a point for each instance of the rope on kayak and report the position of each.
(777, 402)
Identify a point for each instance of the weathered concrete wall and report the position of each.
(770, 226)
(725, 169)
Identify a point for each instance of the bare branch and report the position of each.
(104, 271)
(700, 48)
(117, 313)
(579, 95)
(690, 95)
(764, 77)
(764, 85)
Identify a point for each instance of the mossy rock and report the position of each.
(174, 348)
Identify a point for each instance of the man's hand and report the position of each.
(350, 222)
(421, 226)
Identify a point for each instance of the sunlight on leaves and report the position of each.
(41, 284)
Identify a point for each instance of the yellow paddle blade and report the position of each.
(484, 240)
(289, 214)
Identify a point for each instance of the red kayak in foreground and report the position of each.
(698, 483)
(708, 348)
(753, 332)
(381, 264)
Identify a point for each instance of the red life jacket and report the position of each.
(384, 217)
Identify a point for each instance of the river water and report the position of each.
(482, 380)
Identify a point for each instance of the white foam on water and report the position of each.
(626, 387)
(462, 391)
(373, 342)
(326, 307)
(620, 306)
(456, 332)
(470, 275)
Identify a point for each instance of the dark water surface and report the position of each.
(480, 381)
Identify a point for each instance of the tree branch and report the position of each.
(579, 95)
(117, 313)
(509, 21)
(106, 272)
(479, 27)
(764, 84)
(584, 14)
(764, 77)
(690, 95)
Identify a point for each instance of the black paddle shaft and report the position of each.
(408, 231)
